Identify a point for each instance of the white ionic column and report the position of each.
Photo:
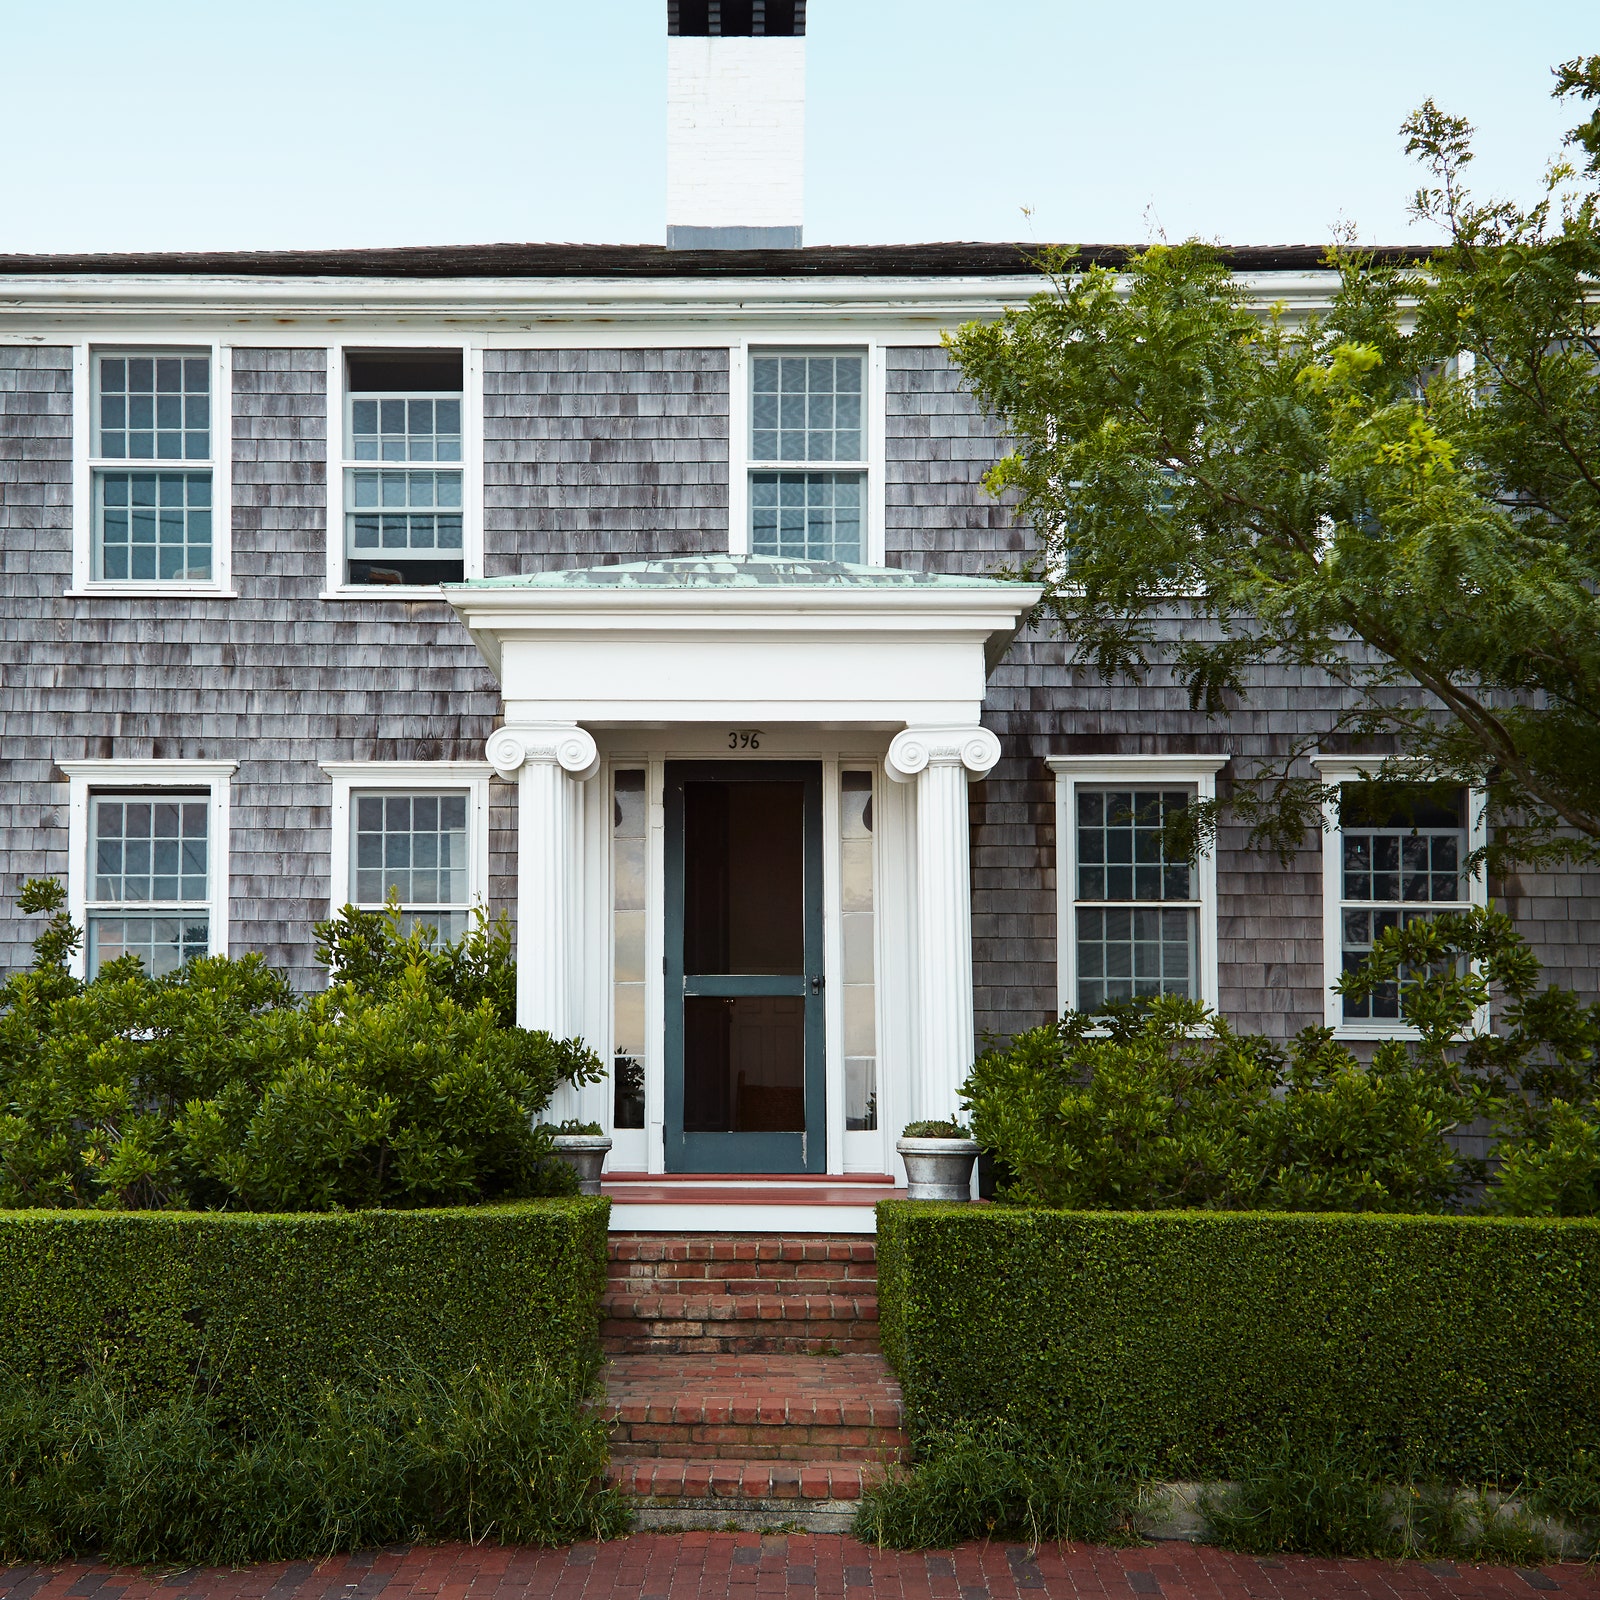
(941, 762)
(545, 759)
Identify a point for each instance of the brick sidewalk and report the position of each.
(748, 1566)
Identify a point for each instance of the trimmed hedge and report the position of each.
(1192, 1343)
(264, 1308)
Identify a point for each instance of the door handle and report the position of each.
(816, 984)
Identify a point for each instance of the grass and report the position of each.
(83, 1470)
(981, 1486)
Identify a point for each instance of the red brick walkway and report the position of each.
(749, 1566)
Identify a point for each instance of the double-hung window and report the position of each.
(412, 833)
(148, 865)
(807, 460)
(154, 514)
(1135, 921)
(1393, 854)
(404, 516)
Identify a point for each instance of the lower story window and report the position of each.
(1402, 860)
(1136, 920)
(413, 847)
(149, 880)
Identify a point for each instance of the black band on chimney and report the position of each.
(736, 19)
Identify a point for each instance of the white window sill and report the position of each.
(151, 591)
(1374, 1032)
(385, 591)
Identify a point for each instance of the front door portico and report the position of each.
(760, 765)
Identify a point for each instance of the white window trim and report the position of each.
(740, 465)
(471, 777)
(335, 587)
(87, 777)
(1354, 769)
(1097, 771)
(85, 465)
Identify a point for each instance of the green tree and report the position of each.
(1401, 491)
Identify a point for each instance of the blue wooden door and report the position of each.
(744, 979)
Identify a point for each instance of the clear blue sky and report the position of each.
(176, 124)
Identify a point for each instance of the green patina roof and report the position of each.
(733, 572)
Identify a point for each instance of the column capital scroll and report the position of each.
(562, 744)
(914, 749)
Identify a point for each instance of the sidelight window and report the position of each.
(628, 859)
(858, 868)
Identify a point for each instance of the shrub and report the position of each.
(406, 1083)
(1161, 1104)
(256, 1312)
(472, 1456)
(1172, 1108)
(1190, 1344)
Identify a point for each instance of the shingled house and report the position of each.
(640, 591)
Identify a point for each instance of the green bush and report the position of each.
(252, 1311)
(1161, 1105)
(406, 1083)
(472, 1456)
(1191, 1344)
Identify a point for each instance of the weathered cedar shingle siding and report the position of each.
(593, 456)
(590, 456)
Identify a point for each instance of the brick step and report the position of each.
(767, 1307)
(741, 1485)
(756, 1408)
(741, 1247)
(744, 1277)
(710, 1324)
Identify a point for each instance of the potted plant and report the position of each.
(938, 1158)
(584, 1148)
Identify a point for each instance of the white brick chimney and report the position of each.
(736, 115)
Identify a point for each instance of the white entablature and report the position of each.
(747, 638)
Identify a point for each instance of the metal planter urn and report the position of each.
(586, 1154)
(938, 1167)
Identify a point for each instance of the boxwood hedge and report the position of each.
(1193, 1343)
(260, 1308)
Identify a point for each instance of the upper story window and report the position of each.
(151, 468)
(808, 454)
(402, 470)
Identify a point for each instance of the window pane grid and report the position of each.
(806, 516)
(1136, 916)
(153, 526)
(1385, 873)
(806, 408)
(154, 408)
(405, 427)
(147, 850)
(400, 511)
(416, 846)
(162, 943)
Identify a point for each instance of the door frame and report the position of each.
(766, 1152)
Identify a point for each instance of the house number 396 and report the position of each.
(744, 738)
